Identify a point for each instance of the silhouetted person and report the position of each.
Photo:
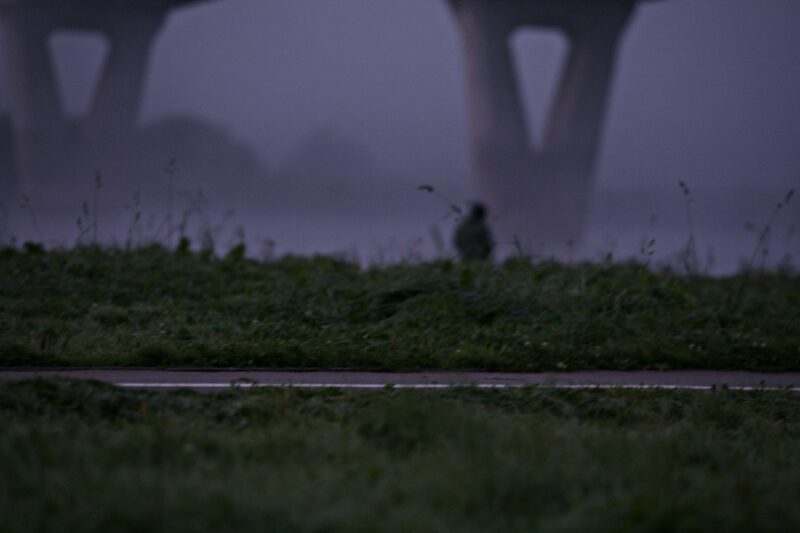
(473, 238)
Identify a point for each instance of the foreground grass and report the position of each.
(151, 307)
(82, 456)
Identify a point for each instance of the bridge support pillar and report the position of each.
(499, 136)
(118, 98)
(49, 148)
(37, 121)
(539, 193)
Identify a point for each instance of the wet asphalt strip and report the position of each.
(215, 379)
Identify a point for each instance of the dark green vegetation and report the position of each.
(82, 456)
(151, 307)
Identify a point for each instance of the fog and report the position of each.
(316, 121)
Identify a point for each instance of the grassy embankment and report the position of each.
(81, 456)
(151, 307)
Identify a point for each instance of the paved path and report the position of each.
(217, 379)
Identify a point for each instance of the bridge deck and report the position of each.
(98, 4)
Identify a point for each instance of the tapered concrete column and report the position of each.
(567, 159)
(117, 102)
(539, 194)
(579, 112)
(37, 120)
(499, 137)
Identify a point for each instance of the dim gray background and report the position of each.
(706, 92)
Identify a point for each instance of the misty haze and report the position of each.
(306, 126)
(399, 265)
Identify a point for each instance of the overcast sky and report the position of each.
(707, 90)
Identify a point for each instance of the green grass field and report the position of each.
(82, 456)
(151, 307)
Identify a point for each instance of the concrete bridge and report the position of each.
(538, 191)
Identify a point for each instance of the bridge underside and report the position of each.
(538, 193)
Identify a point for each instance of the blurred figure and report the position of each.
(473, 238)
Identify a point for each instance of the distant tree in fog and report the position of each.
(329, 161)
(207, 157)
